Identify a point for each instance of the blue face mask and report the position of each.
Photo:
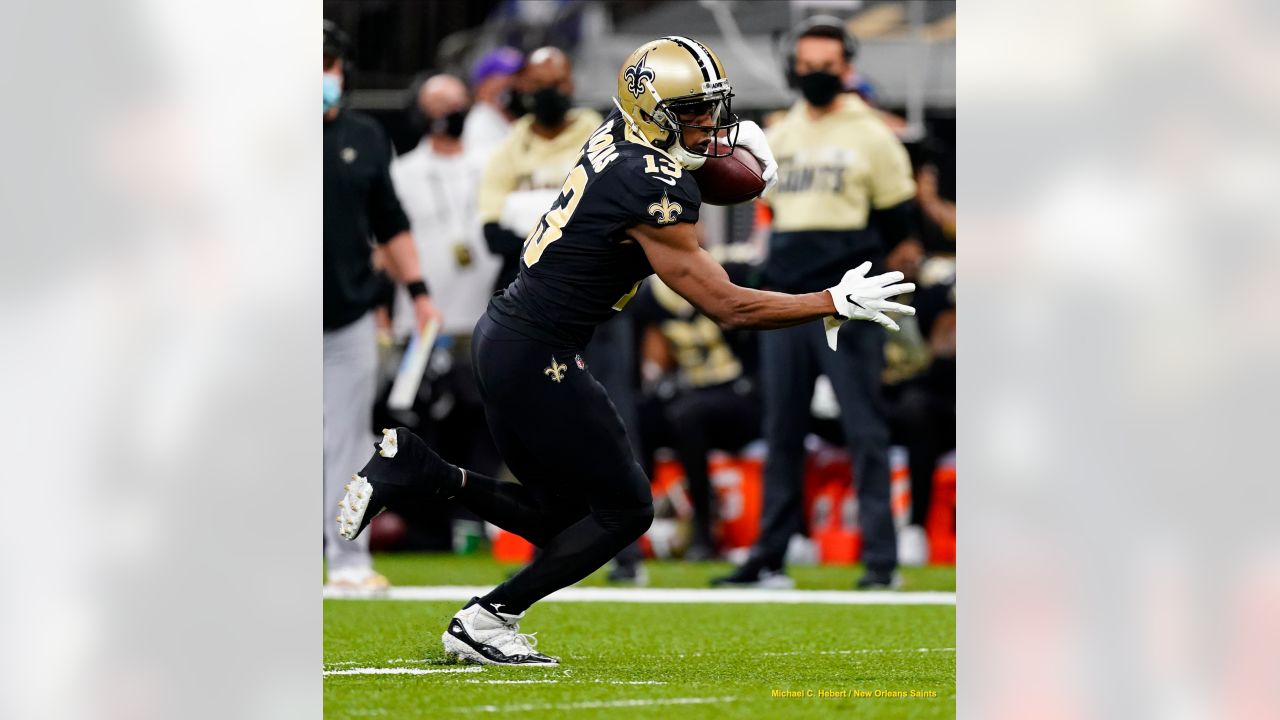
(332, 91)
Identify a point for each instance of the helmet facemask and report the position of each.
(713, 108)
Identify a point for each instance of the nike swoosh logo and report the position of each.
(668, 181)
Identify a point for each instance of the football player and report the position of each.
(626, 210)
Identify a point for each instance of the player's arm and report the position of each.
(395, 246)
(897, 229)
(500, 240)
(892, 191)
(395, 242)
(496, 183)
(400, 256)
(685, 267)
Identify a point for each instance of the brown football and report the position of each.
(731, 179)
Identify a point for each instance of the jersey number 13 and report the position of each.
(552, 224)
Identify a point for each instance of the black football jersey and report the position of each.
(578, 267)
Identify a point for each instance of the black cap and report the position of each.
(336, 42)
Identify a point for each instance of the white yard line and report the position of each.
(514, 682)
(860, 651)
(412, 671)
(590, 705)
(667, 595)
(472, 669)
(550, 681)
(401, 670)
(572, 681)
(865, 651)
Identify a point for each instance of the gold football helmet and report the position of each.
(672, 77)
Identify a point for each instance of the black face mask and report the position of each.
(820, 88)
(450, 124)
(549, 106)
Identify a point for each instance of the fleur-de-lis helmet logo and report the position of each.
(637, 74)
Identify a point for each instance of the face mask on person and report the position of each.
(820, 88)
(549, 106)
(451, 124)
(332, 91)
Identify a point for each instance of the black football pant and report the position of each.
(581, 495)
(791, 359)
(612, 355)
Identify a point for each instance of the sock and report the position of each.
(492, 607)
(502, 600)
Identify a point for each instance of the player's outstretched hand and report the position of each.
(751, 137)
(858, 297)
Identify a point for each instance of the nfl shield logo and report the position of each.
(578, 359)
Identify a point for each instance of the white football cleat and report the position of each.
(477, 635)
(353, 506)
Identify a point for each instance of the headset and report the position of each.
(817, 26)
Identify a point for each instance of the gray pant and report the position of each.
(350, 381)
(791, 359)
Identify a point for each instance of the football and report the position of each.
(729, 180)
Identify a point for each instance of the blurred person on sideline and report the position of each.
(360, 208)
(844, 196)
(498, 102)
(525, 171)
(437, 182)
(712, 403)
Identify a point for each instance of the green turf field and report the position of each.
(479, 569)
(624, 660)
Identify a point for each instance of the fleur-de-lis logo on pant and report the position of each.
(555, 371)
(666, 211)
(635, 75)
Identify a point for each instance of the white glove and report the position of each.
(858, 297)
(751, 137)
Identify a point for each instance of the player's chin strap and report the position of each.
(686, 158)
(677, 152)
